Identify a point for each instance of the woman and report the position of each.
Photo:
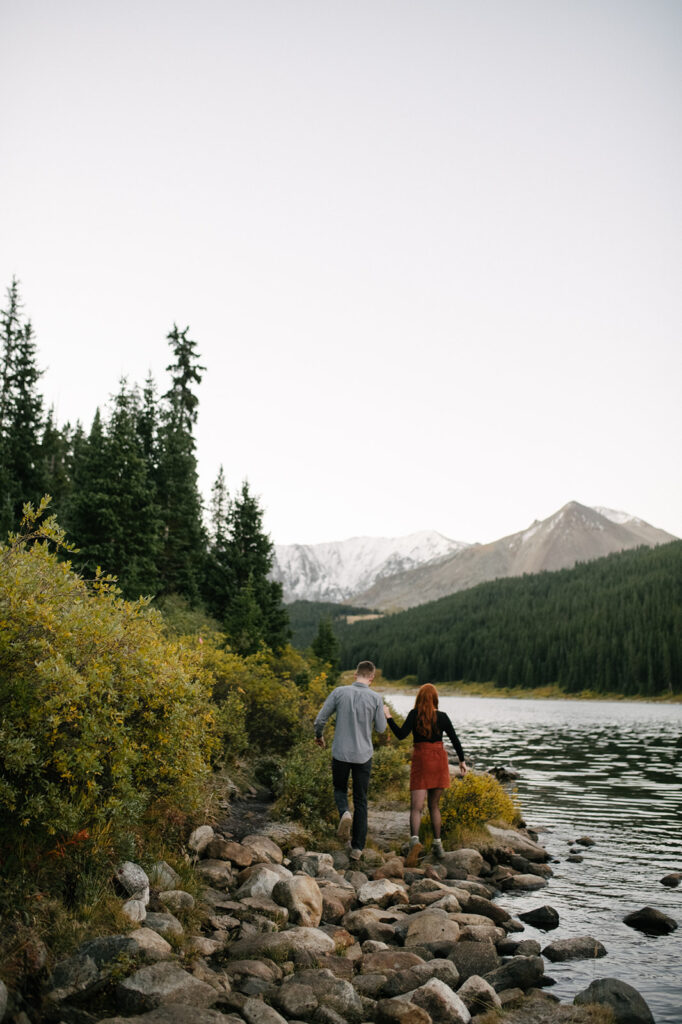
(429, 773)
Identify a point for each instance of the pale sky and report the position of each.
(430, 251)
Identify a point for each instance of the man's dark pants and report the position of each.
(360, 772)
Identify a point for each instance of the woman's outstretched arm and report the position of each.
(400, 731)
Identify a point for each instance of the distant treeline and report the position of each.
(613, 625)
(126, 491)
(305, 618)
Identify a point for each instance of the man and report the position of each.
(357, 709)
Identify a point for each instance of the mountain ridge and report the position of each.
(394, 573)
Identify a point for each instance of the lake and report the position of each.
(612, 771)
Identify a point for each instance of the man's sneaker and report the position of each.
(437, 849)
(343, 831)
(355, 854)
(413, 853)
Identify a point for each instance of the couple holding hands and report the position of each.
(358, 710)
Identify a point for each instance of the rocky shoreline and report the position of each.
(288, 935)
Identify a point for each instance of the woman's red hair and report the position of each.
(426, 706)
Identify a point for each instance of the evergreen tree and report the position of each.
(114, 517)
(183, 541)
(325, 646)
(218, 582)
(56, 455)
(88, 519)
(21, 413)
(249, 554)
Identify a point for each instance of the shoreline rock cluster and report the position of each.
(313, 938)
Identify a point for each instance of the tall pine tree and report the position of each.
(21, 413)
(183, 540)
(249, 554)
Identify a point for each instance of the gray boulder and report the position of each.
(582, 947)
(159, 984)
(672, 880)
(546, 918)
(474, 958)
(469, 861)
(77, 973)
(520, 972)
(263, 849)
(523, 883)
(441, 1003)
(260, 879)
(255, 1011)
(217, 873)
(332, 993)
(224, 849)
(426, 926)
(478, 995)
(302, 898)
(163, 876)
(388, 961)
(135, 910)
(398, 1011)
(200, 838)
(627, 1004)
(3, 999)
(295, 1000)
(176, 899)
(133, 880)
(651, 921)
(164, 924)
(382, 892)
(176, 1013)
(415, 977)
(517, 842)
(479, 905)
(297, 944)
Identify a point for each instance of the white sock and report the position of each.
(414, 839)
(437, 841)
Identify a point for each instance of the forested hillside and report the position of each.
(306, 616)
(125, 490)
(612, 625)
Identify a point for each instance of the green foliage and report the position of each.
(181, 619)
(611, 625)
(390, 772)
(325, 646)
(307, 795)
(272, 702)
(101, 712)
(21, 413)
(472, 801)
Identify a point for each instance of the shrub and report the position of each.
(101, 712)
(272, 703)
(390, 772)
(307, 794)
(472, 801)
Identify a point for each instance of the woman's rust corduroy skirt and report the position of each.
(429, 768)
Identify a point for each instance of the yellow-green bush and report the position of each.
(307, 795)
(272, 703)
(472, 801)
(100, 711)
(390, 772)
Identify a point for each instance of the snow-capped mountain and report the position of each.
(575, 533)
(337, 570)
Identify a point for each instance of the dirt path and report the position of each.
(250, 814)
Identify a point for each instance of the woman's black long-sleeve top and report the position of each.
(442, 725)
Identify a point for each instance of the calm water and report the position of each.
(612, 771)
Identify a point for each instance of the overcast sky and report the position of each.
(430, 251)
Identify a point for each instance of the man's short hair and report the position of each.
(365, 669)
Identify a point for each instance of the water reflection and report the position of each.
(611, 771)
